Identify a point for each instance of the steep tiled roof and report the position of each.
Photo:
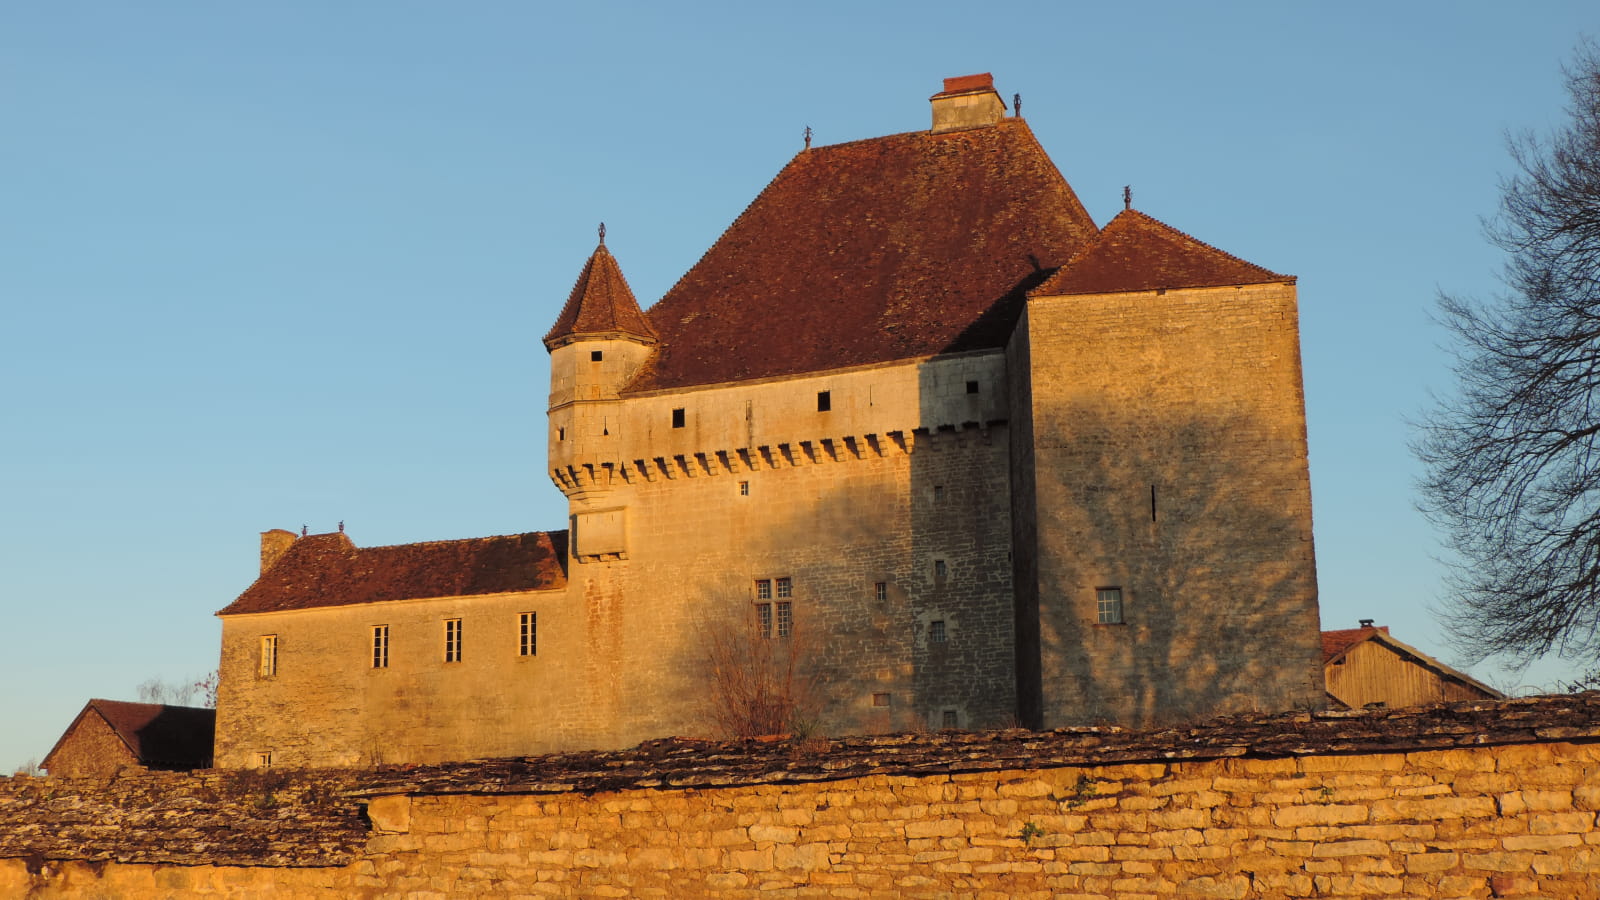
(158, 736)
(329, 570)
(1137, 253)
(876, 250)
(601, 303)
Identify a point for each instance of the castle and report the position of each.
(914, 421)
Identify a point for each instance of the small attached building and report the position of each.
(112, 736)
(1366, 667)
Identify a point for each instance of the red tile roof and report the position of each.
(1335, 643)
(890, 248)
(158, 736)
(967, 84)
(1137, 253)
(601, 303)
(330, 570)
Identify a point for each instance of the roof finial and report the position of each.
(304, 530)
(1016, 105)
(808, 137)
(602, 234)
(1127, 196)
(341, 526)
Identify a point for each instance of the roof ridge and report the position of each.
(1209, 246)
(441, 541)
(1136, 252)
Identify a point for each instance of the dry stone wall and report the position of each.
(1466, 800)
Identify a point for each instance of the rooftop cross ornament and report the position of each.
(602, 234)
(1127, 196)
(808, 137)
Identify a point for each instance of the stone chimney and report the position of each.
(969, 101)
(274, 544)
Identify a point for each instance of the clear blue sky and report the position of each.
(273, 264)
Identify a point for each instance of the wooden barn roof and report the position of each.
(1336, 644)
(330, 570)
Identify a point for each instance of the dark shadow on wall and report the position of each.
(1202, 520)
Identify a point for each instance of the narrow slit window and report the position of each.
(452, 640)
(380, 646)
(1109, 605)
(940, 570)
(528, 634)
(269, 656)
(824, 401)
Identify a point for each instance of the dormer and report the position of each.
(967, 101)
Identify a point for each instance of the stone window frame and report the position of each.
(1110, 606)
(267, 662)
(774, 607)
(744, 488)
(950, 719)
(880, 591)
(528, 634)
(380, 646)
(452, 640)
(937, 633)
(263, 759)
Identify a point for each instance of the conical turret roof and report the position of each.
(601, 305)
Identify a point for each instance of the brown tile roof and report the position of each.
(966, 84)
(1335, 643)
(883, 249)
(330, 570)
(601, 303)
(158, 736)
(1137, 253)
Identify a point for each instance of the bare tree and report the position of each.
(759, 684)
(1513, 457)
(202, 690)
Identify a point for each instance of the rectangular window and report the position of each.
(764, 619)
(528, 634)
(938, 493)
(785, 588)
(880, 591)
(269, 655)
(880, 699)
(785, 618)
(452, 640)
(744, 488)
(936, 631)
(677, 418)
(972, 387)
(939, 569)
(824, 401)
(380, 646)
(264, 759)
(763, 589)
(1109, 601)
(596, 355)
(949, 720)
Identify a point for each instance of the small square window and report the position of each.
(936, 631)
(972, 387)
(744, 488)
(880, 699)
(452, 640)
(269, 656)
(380, 646)
(596, 355)
(940, 570)
(764, 619)
(677, 418)
(948, 720)
(880, 591)
(264, 759)
(1109, 602)
(785, 618)
(528, 634)
(824, 401)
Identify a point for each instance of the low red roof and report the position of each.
(601, 303)
(330, 570)
(1335, 643)
(159, 736)
(877, 250)
(1137, 253)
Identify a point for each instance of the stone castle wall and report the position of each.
(1471, 800)
(1167, 458)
